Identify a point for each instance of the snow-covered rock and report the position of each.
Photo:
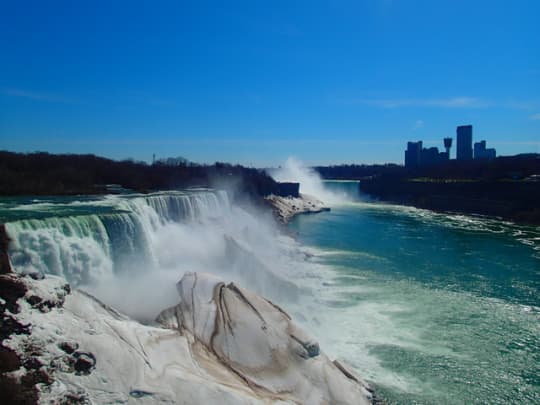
(287, 207)
(259, 342)
(220, 344)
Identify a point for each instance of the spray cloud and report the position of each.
(310, 182)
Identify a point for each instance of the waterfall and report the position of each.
(90, 247)
(130, 250)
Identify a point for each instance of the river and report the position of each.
(430, 308)
(434, 308)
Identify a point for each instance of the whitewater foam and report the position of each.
(145, 243)
(310, 182)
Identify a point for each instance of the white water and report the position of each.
(132, 256)
(310, 182)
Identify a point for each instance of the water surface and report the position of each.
(432, 308)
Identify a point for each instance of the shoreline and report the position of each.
(286, 208)
(514, 201)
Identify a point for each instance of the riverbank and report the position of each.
(512, 200)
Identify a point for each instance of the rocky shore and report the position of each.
(220, 344)
(285, 208)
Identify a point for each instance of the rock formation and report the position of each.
(220, 344)
(285, 208)
(256, 340)
(5, 266)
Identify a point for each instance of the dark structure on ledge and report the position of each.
(288, 190)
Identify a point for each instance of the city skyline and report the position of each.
(465, 150)
(326, 82)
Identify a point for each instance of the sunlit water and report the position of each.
(432, 308)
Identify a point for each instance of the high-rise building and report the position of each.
(416, 155)
(448, 145)
(464, 142)
(412, 154)
(481, 152)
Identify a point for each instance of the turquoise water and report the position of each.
(431, 308)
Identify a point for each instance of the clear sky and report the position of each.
(257, 81)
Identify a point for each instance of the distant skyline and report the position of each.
(254, 83)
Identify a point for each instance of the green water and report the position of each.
(431, 308)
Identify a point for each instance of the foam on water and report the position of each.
(141, 245)
(451, 315)
(370, 280)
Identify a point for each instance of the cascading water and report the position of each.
(137, 247)
(76, 248)
(86, 248)
(432, 308)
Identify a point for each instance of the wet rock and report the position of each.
(64, 364)
(75, 398)
(45, 305)
(5, 266)
(21, 390)
(84, 362)
(34, 300)
(68, 347)
(32, 363)
(11, 289)
(9, 361)
(9, 325)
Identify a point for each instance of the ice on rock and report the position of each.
(222, 344)
(259, 342)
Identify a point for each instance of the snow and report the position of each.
(287, 207)
(221, 344)
(259, 342)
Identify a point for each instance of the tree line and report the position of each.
(42, 173)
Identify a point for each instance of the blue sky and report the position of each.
(255, 82)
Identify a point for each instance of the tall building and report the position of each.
(432, 156)
(464, 142)
(480, 151)
(416, 155)
(412, 154)
(448, 145)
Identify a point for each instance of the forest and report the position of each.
(42, 173)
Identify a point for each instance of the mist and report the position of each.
(310, 182)
(133, 258)
(242, 245)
